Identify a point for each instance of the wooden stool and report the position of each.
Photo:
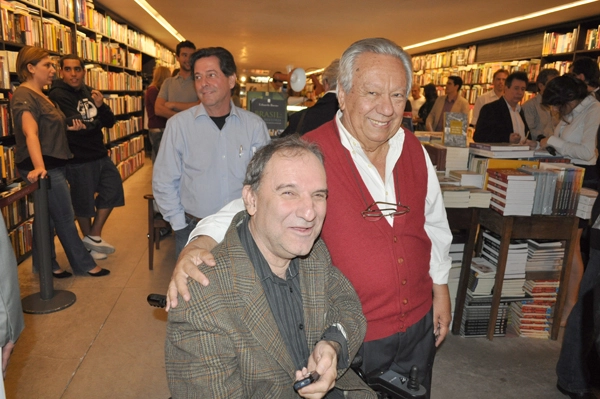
(155, 223)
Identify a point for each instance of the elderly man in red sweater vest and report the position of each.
(386, 225)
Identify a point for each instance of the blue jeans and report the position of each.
(62, 222)
(182, 235)
(571, 369)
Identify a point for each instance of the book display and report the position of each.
(114, 54)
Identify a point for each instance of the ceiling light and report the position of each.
(501, 23)
(160, 19)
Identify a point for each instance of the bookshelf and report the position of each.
(552, 47)
(116, 54)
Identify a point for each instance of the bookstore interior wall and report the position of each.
(116, 56)
(555, 47)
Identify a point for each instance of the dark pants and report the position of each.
(401, 351)
(572, 367)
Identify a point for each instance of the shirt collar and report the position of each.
(517, 108)
(201, 111)
(261, 266)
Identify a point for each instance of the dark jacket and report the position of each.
(86, 145)
(323, 111)
(494, 124)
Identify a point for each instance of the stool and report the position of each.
(155, 223)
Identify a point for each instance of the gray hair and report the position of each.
(291, 146)
(376, 46)
(545, 75)
(330, 74)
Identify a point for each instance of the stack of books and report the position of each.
(544, 256)
(531, 317)
(455, 196)
(568, 187)
(512, 191)
(544, 189)
(457, 249)
(457, 158)
(479, 198)
(468, 178)
(587, 197)
(476, 315)
(514, 274)
(482, 277)
(501, 150)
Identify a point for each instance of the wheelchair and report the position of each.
(387, 384)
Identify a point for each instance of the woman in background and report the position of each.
(42, 150)
(575, 138)
(156, 124)
(430, 93)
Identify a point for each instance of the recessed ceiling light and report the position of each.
(160, 19)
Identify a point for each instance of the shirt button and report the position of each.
(400, 260)
(404, 282)
(301, 326)
(395, 239)
(405, 301)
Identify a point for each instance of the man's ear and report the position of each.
(341, 95)
(232, 80)
(249, 198)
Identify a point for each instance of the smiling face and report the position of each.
(212, 86)
(372, 109)
(288, 208)
(72, 73)
(184, 57)
(43, 72)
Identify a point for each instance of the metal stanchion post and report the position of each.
(47, 300)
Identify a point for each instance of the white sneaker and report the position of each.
(97, 255)
(98, 245)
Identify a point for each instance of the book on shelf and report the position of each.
(509, 175)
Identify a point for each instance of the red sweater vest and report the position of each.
(388, 266)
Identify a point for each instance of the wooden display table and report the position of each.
(518, 227)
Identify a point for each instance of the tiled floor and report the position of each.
(109, 344)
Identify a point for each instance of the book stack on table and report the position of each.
(501, 150)
(513, 191)
(457, 158)
(568, 187)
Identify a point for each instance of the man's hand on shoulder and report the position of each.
(98, 98)
(323, 360)
(193, 255)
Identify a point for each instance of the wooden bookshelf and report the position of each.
(117, 53)
(553, 47)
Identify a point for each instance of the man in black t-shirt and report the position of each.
(96, 185)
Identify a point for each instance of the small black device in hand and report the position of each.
(70, 119)
(312, 377)
(551, 150)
